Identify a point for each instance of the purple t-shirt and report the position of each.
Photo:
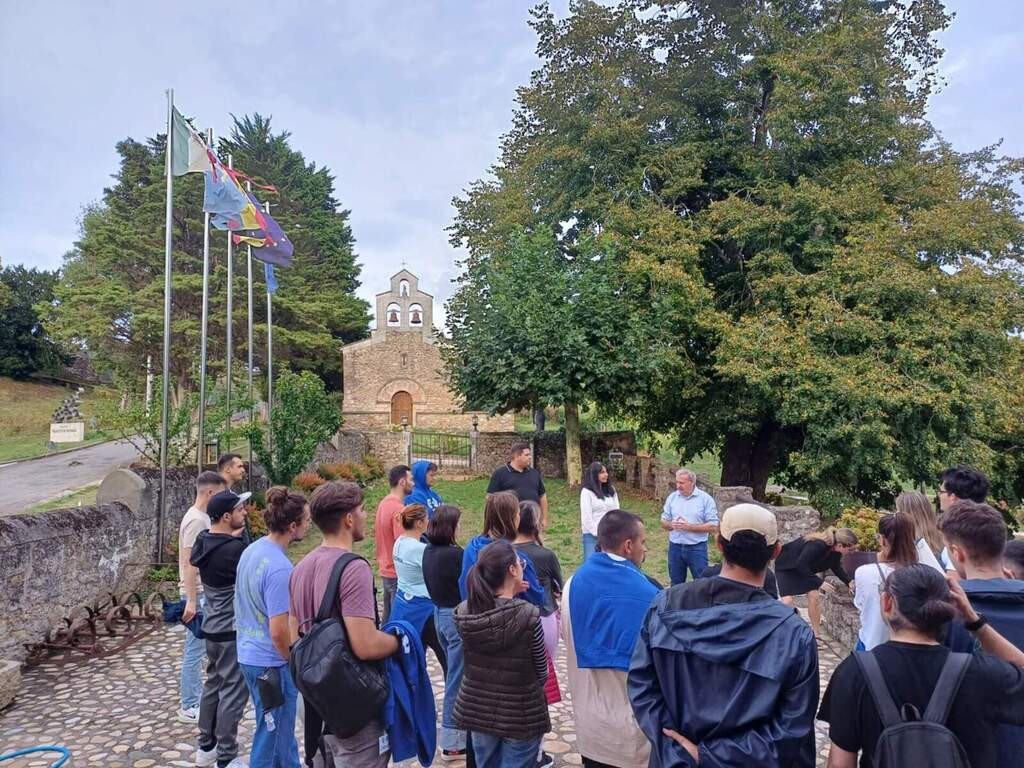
(261, 591)
(309, 583)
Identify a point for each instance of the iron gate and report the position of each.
(445, 449)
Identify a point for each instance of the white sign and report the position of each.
(73, 432)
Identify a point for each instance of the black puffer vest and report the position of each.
(500, 693)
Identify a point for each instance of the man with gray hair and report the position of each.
(689, 516)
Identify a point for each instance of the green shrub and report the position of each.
(863, 521)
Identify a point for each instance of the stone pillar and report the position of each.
(474, 438)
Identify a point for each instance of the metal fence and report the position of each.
(445, 449)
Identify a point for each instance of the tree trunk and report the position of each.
(573, 456)
(539, 419)
(750, 459)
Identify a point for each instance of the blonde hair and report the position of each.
(833, 536)
(919, 509)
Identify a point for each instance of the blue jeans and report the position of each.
(452, 738)
(589, 545)
(273, 743)
(495, 752)
(190, 687)
(686, 556)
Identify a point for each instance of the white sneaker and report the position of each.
(190, 715)
(206, 758)
(238, 762)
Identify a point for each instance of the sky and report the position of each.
(404, 101)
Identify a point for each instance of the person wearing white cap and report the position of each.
(722, 673)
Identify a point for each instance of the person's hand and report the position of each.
(189, 613)
(827, 587)
(524, 585)
(684, 742)
(960, 601)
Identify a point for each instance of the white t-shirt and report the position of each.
(868, 599)
(592, 509)
(927, 557)
(193, 523)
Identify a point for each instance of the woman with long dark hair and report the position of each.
(501, 699)
(801, 560)
(597, 496)
(896, 549)
(442, 564)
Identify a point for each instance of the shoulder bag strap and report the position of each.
(333, 584)
(879, 690)
(945, 689)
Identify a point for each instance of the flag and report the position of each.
(222, 195)
(268, 273)
(190, 153)
(270, 244)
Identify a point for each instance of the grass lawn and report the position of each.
(78, 498)
(26, 408)
(563, 534)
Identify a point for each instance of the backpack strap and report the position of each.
(879, 690)
(945, 689)
(333, 585)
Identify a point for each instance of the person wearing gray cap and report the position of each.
(722, 673)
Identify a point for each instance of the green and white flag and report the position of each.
(190, 153)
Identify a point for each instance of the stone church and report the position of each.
(396, 376)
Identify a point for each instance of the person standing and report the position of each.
(960, 483)
(603, 607)
(261, 624)
(216, 554)
(722, 674)
(896, 549)
(597, 497)
(1013, 559)
(519, 476)
(412, 601)
(501, 700)
(442, 564)
(423, 475)
(929, 541)
(800, 562)
(337, 510)
(231, 467)
(387, 528)
(689, 516)
(194, 522)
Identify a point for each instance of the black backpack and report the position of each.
(345, 691)
(908, 738)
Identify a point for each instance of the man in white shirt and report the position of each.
(192, 524)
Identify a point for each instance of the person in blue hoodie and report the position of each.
(423, 474)
(722, 673)
(501, 521)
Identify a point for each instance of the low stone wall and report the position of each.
(390, 448)
(549, 449)
(840, 619)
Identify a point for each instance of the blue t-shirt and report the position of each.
(261, 591)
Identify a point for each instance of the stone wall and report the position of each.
(390, 448)
(494, 449)
(840, 619)
(549, 449)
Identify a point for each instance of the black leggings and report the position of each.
(431, 640)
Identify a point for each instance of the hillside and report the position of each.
(25, 411)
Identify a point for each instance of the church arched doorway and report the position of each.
(401, 405)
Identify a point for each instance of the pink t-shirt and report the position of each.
(308, 583)
(387, 528)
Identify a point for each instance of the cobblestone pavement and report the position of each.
(119, 712)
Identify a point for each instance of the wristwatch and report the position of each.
(978, 623)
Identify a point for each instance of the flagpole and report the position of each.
(168, 247)
(270, 362)
(231, 288)
(248, 270)
(202, 334)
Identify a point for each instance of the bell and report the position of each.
(416, 317)
(393, 316)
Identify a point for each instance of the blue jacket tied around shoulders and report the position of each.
(410, 716)
(421, 492)
(607, 605)
(535, 594)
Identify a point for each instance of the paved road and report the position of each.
(35, 480)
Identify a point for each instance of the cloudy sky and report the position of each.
(403, 101)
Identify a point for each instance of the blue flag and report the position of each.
(270, 244)
(221, 193)
(268, 273)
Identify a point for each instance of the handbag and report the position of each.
(345, 691)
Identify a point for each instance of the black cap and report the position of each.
(225, 501)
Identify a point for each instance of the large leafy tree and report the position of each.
(110, 298)
(24, 345)
(838, 293)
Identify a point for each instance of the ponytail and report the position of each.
(487, 576)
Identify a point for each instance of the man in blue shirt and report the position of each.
(689, 516)
(262, 633)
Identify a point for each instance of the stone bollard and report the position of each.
(10, 681)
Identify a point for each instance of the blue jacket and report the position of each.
(535, 594)
(410, 715)
(607, 604)
(421, 492)
(1002, 603)
(732, 670)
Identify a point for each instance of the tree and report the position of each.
(838, 293)
(303, 416)
(24, 345)
(535, 325)
(110, 298)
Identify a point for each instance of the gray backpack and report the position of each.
(908, 738)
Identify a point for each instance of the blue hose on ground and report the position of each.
(65, 755)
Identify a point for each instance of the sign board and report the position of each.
(73, 432)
